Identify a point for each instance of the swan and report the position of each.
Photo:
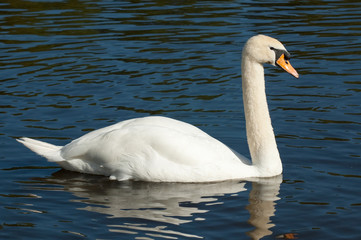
(161, 149)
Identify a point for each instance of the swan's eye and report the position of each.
(272, 48)
(287, 55)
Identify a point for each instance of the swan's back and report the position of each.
(152, 149)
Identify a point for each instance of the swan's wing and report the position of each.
(151, 137)
(79, 147)
(244, 159)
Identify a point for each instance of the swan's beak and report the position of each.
(286, 65)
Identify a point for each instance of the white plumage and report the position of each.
(164, 149)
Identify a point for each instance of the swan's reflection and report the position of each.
(166, 202)
(262, 205)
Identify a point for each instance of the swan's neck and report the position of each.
(260, 136)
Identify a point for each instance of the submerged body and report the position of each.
(164, 149)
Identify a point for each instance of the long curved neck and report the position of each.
(260, 136)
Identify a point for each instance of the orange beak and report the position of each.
(286, 65)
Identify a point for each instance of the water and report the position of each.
(68, 67)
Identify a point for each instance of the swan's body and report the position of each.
(164, 149)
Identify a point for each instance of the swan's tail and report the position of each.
(49, 151)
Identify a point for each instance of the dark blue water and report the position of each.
(68, 67)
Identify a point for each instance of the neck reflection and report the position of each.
(262, 205)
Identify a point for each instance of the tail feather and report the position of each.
(47, 150)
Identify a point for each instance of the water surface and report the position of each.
(68, 67)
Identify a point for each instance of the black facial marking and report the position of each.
(279, 53)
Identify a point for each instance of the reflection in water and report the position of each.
(168, 203)
(262, 205)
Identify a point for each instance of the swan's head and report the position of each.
(263, 49)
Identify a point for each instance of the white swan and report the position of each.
(163, 149)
